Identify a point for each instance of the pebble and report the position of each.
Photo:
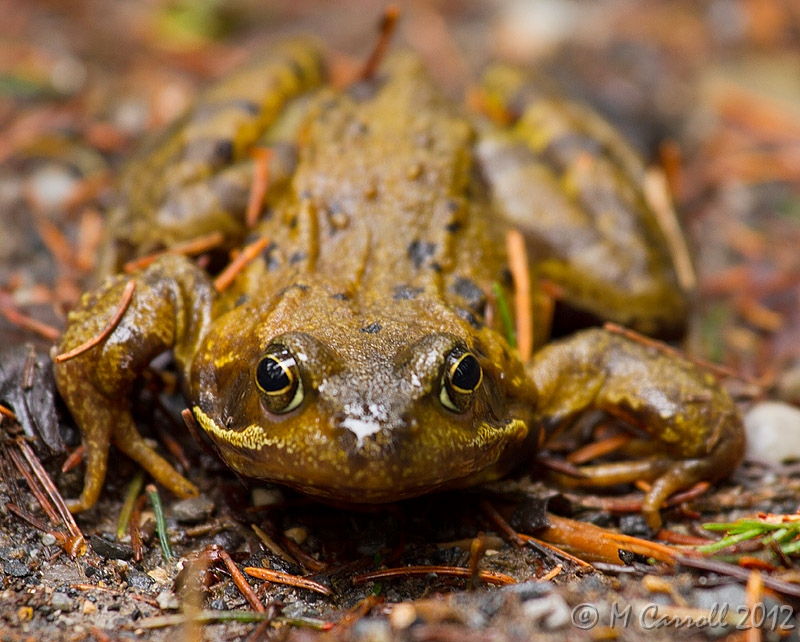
(773, 432)
(110, 550)
(552, 610)
(192, 510)
(48, 539)
(52, 185)
(372, 630)
(15, 568)
(61, 602)
(168, 601)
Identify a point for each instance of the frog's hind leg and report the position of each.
(563, 176)
(695, 427)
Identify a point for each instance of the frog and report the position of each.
(361, 357)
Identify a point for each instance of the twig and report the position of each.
(227, 276)
(520, 273)
(258, 189)
(191, 247)
(490, 577)
(127, 296)
(286, 578)
(387, 28)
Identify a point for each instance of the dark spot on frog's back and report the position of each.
(215, 152)
(271, 256)
(372, 328)
(470, 318)
(468, 290)
(297, 257)
(405, 293)
(420, 251)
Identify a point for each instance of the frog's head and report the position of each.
(360, 406)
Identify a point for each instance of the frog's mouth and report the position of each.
(319, 467)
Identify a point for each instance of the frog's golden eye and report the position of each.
(278, 377)
(462, 377)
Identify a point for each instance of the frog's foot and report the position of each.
(130, 442)
(665, 474)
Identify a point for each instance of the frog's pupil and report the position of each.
(272, 376)
(467, 373)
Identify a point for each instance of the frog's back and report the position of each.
(385, 195)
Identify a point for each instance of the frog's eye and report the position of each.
(278, 377)
(462, 376)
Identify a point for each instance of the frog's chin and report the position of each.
(331, 474)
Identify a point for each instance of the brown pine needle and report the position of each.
(556, 551)
(755, 596)
(229, 274)
(7, 412)
(490, 577)
(285, 578)
(14, 316)
(387, 27)
(598, 449)
(600, 545)
(73, 459)
(520, 273)
(260, 185)
(656, 193)
(127, 296)
(241, 582)
(192, 247)
(713, 368)
(499, 521)
(552, 573)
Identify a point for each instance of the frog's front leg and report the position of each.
(696, 425)
(170, 310)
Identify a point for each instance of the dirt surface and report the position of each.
(707, 90)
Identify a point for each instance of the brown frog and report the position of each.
(361, 356)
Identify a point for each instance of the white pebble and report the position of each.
(773, 432)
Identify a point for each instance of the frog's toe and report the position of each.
(130, 442)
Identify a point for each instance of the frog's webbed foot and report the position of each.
(665, 474)
(696, 430)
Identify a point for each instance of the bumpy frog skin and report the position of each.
(360, 358)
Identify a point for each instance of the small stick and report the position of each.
(7, 412)
(520, 272)
(387, 27)
(714, 368)
(241, 582)
(127, 296)
(501, 523)
(260, 185)
(227, 276)
(14, 316)
(191, 247)
(598, 449)
(552, 573)
(288, 579)
(490, 577)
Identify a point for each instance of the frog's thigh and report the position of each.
(682, 407)
(574, 189)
